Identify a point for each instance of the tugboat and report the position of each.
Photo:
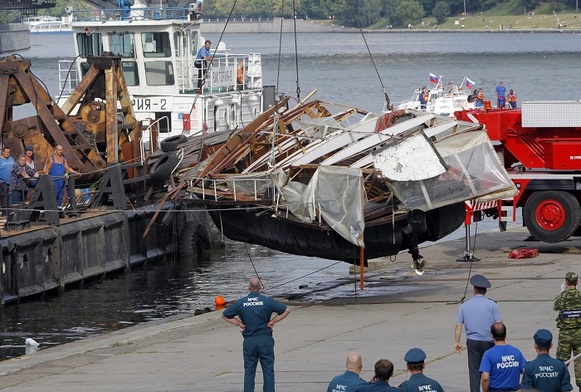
(158, 48)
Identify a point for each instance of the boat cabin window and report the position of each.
(177, 43)
(122, 44)
(89, 44)
(156, 44)
(159, 73)
(195, 45)
(130, 73)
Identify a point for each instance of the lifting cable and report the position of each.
(388, 103)
(470, 269)
(296, 50)
(176, 190)
(279, 49)
(214, 54)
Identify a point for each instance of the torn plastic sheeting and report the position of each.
(338, 194)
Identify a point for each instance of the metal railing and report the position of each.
(259, 189)
(232, 72)
(226, 73)
(135, 13)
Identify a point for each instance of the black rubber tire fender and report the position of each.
(162, 168)
(194, 238)
(172, 142)
(552, 216)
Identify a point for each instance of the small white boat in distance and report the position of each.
(443, 101)
(158, 48)
(49, 24)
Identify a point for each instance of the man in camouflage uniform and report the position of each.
(568, 304)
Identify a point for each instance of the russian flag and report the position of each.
(433, 78)
(469, 84)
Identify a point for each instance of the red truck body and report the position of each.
(540, 146)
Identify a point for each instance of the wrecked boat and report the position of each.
(336, 182)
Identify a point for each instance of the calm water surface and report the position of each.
(538, 66)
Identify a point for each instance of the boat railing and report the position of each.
(226, 73)
(148, 134)
(231, 72)
(135, 13)
(242, 188)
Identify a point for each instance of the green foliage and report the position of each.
(59, 8)
(388, 9)
(360, 13)
(408, 12)
(318, 9)
(441, 11)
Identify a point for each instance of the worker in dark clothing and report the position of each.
(254, 313)
(380, 381)
(418, 381)
(545, 373)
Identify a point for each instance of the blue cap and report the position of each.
(415, 355)
(543, 338)
(480, 281)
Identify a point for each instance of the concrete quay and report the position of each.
(396, 311)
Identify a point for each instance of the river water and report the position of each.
(538, 66)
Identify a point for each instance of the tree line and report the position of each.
(351, 13)
(365, 13)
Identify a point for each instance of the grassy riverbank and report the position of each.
(512, 22)
(534, 21)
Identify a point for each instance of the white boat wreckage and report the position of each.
(340, 183)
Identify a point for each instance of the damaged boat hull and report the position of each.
(294, 237)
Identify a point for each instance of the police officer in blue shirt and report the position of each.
(254, 313)
(477, 315)
(546, 374)
(415, 359)
(350, 380)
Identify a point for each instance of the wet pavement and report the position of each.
(397, 310)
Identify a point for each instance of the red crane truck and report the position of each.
(540, 145)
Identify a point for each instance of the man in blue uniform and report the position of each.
(502, 365)
(380, 381)
(350, 380)
(418, 382)
(6, 163)
(477, 315)
(546, 374)
(500, 95)
(254, 313)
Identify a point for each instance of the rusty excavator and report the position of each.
(96, 127)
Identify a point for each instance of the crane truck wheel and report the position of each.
(552, 216)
